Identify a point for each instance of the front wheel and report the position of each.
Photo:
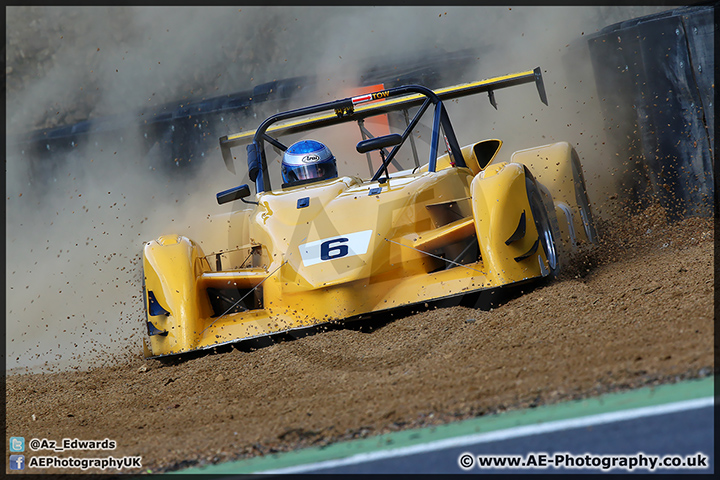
(581, 197)
(544, 225)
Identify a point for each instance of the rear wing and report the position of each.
(346, 111)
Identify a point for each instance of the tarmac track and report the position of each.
(683, 434)
(641, 427)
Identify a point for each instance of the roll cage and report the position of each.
(359, 108)
(345, 111)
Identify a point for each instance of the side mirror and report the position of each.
(235, 193)
(378, 142)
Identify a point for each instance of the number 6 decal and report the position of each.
(330, 249)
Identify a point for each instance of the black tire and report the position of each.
(581, 197)
(544, 225)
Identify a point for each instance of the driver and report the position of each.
(307, 160)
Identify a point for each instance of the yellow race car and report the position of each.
(434, 220)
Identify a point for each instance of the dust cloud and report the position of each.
(75, 229)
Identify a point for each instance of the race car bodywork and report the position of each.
(337, 249)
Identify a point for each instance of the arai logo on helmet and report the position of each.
(310, 158)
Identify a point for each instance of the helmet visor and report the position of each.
(319, 171)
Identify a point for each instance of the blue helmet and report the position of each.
(308, 159)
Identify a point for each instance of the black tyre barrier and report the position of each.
(656, 77)
(182, 133)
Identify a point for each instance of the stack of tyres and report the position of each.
(655, 75)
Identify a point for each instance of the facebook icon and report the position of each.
(17, 462)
